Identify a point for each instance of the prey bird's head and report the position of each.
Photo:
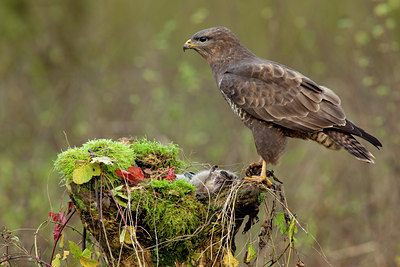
(213, 42)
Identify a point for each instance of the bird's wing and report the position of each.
(275, 93)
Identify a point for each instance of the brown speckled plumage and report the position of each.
(274, 101)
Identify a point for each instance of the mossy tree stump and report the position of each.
(154, 221)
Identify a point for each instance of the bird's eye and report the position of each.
(203, 39)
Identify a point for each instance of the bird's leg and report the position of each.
(264, 169)
(263, 176)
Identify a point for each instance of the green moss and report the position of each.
(181, 187)
(80, 204)
(65, 162)
(155, 155)
(169, 210)
(171, 205)
(123, 157)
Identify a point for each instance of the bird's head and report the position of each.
(217, 41)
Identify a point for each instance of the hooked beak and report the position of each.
(188, 45)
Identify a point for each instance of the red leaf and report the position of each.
(137, 173)
(170, 174)
(166, 174)
(59, 220)
(134, 174)
(122, 173)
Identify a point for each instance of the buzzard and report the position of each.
(276, 102)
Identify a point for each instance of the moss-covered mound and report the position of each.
(162, 213)
(122, 157)
(127, 196)
(154, 155)
(123, 154)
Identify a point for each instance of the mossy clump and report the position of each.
(169, 211)
(122, 157)
(154, 155)
(123, 154)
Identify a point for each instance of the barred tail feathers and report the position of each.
(325, 140)
(351, 144)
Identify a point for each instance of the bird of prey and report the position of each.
(276, 102)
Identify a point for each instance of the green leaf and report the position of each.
(61, 243)
(86, 253)
(281, 223)
(122, 236)
(56, 262)
(120, 196)
(121, 202)
(116, 192)
(75, 250)
(125, 235)
(251, 253)
(88, 262)
(103, 159)
(85, 172)
(230, 260)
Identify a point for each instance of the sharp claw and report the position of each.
(260, 179)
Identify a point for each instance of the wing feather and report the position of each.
(307, 102)
(316, 97)
(272, 92)
(330, 96)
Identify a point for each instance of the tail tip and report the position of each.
(367, 157)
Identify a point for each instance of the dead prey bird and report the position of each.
(210, 181)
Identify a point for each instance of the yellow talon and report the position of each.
(259, 179)
(263, 176)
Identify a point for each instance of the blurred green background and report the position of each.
(107, 69)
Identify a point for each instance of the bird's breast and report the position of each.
(240, 112)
